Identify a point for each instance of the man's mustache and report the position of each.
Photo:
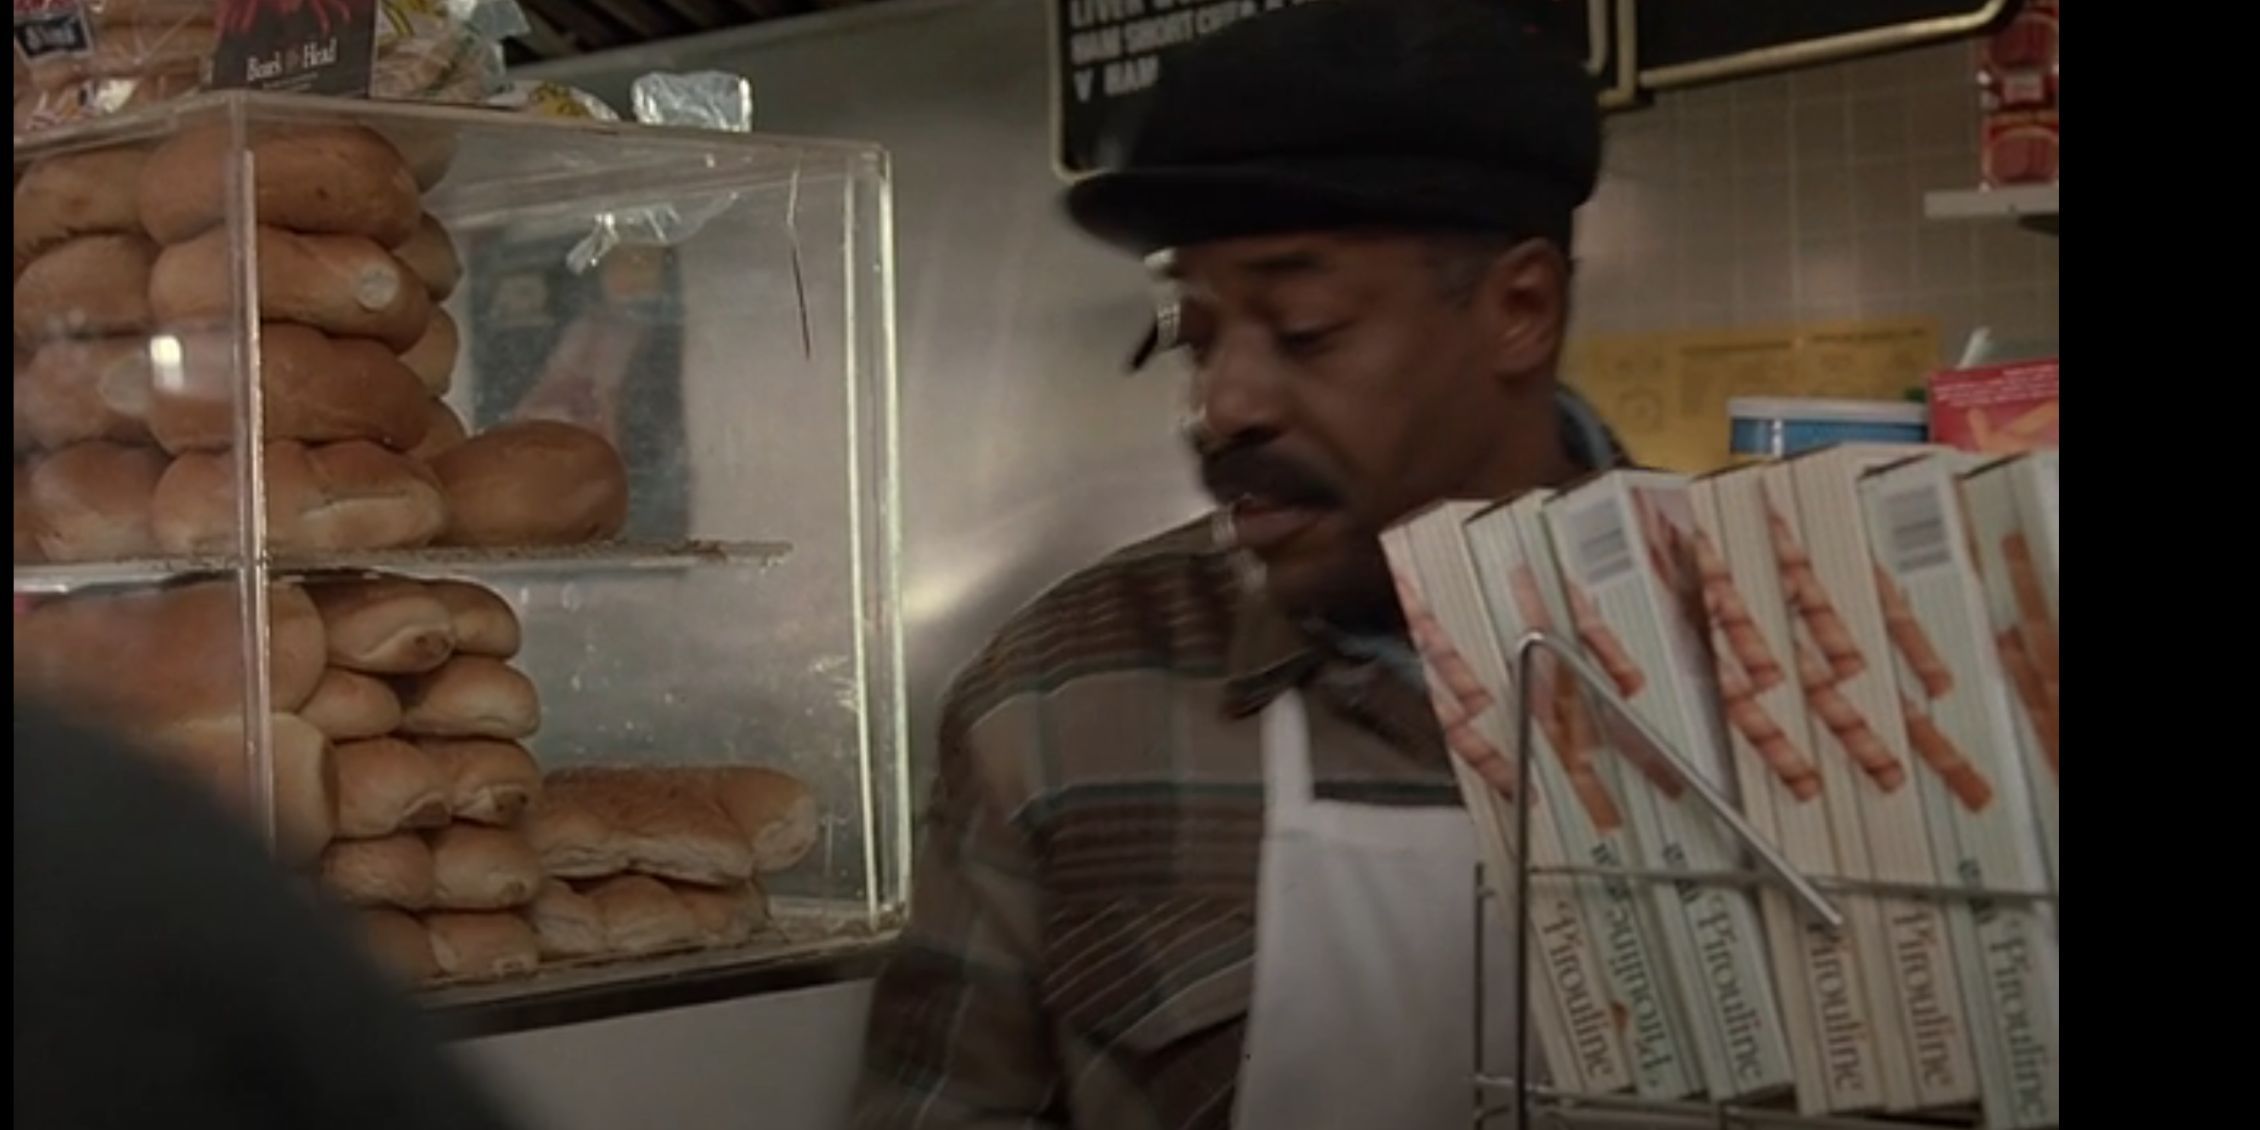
(1247, 470)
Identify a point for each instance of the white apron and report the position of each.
(1362, 1017)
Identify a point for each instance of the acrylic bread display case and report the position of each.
(539, 600)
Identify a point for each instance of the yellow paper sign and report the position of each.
(1666, 393)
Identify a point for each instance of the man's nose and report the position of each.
(1238, 394)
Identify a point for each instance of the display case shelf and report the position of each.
(808, 944)
(568, 561)
(673, 346)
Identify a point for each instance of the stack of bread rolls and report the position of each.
(646, 860)
(427, 715)
(165, 667)
(87, 464)
(342, 250)
(128, 346)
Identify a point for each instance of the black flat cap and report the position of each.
(1438, 114)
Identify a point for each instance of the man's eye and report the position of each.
(1306, 343)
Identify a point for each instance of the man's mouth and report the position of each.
(1261, 523)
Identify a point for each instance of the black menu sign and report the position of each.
(1107, 52)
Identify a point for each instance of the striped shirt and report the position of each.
(1083, 909)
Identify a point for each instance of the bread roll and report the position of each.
(345, 285)
(443, 430)
(431, 254)
(385, 626)
(349, 706)
(489, 782)
(432, 358)
(73, 391)
(316, 388)
(726, 916)
(335, 498)
(658, 822)
(24, 441)
(335, 180)
(396, 870)
(470, 696)
(428, 149)
(481, 868)
(384, 786)
(305, 781)
(74, 194)
(496, 944)
(572, 840)
(485, 624)
(92, 502)
(535, 482)
(399, 945)
(568, 924)
(642, 916)
(27, 520)
(91, 286)
(776, 812)
(185, 644)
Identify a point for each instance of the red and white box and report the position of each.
(1995, 410)
(1983, 823)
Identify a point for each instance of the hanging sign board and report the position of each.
(1104, 53)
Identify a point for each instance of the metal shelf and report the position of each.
(2034, 206)
(1533, 1103)
(574, 560)
(809, 943)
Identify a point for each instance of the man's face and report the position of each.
(1338, 385)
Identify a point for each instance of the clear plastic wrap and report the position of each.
(80, 59)
(443, 50)
(701, 100)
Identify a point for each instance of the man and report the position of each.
(1194, 857)
(167, 975)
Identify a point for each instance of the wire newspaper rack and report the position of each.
(1536, 1106)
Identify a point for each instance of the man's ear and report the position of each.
(1523, 299)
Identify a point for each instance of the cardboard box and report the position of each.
(1468, 681)
(1997, 410)
(1834, 986)
(1624, 542)
(1578, 781)
(1983, 825)
(2019, 616)
(1852, 693)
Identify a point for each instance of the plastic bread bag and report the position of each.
(443, 50)
(704, 100)
(551, 100)
(80, 59)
